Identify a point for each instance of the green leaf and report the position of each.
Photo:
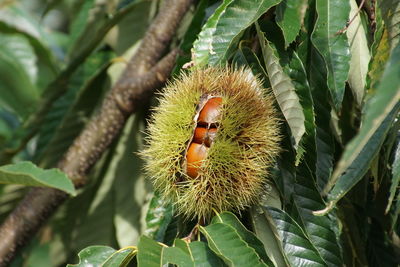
(224, 28)
(104, 256)
(380, 252)
(132, 189)
(10, 196)
(120, 258)
(141, 15)
(360, 55)
(79, 22)
(16, 18)
(27, 173)
(361, 150)
(16, 21)
(334, 48)
(183, 254)
(319, 229)
(317, 76)
(349, 173)
(297, 73)
(8, 122)
(395, 181)
(182, 244)
(97, 25)
(151, 253)
(158, 217)
(246, 57)
(93, 256)
(101, 202)
(18, 47)
(18, 73)
(297, 247)
(38, 254)
(266, 232)
(190, 36)
(177, 256)
(284, 91)
(71, 112)
(289, 18)
(231, 220)
(391, 16)
(202, 47)
(200, 253)
(73, 225)
(354, 225)
(203, 256)
(377, 64)
(225, 241)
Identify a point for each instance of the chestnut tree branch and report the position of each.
(144, 73)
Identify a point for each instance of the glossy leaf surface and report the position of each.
(26, 173)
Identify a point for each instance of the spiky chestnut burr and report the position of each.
(211, 141)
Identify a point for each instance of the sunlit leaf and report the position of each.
(120, 258)
(358, 159)
(199, 252)
(203, 256)
(26, 173)
(230, 219)
(223, 239)
(222, 31)
(202, 47)
(104, 256)
(360, 55)
(93, 256)
(151, 253)
(284, 91)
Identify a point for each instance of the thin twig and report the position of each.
(352, 19)
(142, 75)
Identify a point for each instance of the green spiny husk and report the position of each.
(234, 173)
